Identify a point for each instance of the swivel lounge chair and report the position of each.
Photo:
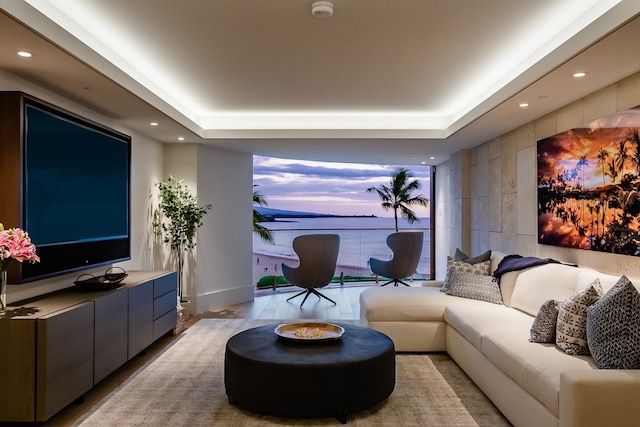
(318, 254)
(407, 249)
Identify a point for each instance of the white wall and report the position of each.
(226, 254)
(223, 254)
(500, 210)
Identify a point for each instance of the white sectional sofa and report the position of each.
(532, 384)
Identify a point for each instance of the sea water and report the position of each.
(361, 238)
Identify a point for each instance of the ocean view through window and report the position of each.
(306, 197)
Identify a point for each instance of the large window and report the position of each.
(305, 197)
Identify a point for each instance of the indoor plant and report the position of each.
(177, 218)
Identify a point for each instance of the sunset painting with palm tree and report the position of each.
(589, 186)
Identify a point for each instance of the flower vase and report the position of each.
(3, 290)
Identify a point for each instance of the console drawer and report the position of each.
(165, 284)
(165, 323)
(164, 304)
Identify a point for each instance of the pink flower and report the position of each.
(15, 244)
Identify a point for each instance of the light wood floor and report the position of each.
(267, 304)
(274, 305)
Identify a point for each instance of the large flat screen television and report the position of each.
(75, 191)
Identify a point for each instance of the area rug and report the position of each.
(184, 386)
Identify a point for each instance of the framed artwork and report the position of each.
(589, 186)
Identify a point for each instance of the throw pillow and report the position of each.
(481, 268)
(613, 327)
(571, 329)
(474, 286)
(543, 329)
(461, 256)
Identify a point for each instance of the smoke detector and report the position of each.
(322, 9)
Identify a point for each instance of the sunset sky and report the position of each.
(562, 152)
(329, 188)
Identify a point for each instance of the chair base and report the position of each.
(395, 282)
(308, 292)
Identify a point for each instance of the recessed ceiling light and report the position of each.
(523, 105)
(423, 163)
(432, 158)
(25, 54)
(154, 123)
(579, 74)
(181, 138)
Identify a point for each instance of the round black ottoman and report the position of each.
(268, 375)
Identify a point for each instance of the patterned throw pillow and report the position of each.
(543, 329)
(464, 267)
(613, 327)
(474, 286)
(461, 256)
(571, 329)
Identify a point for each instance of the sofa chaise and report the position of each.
(532, 384)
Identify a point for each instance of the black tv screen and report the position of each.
(76, 191)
